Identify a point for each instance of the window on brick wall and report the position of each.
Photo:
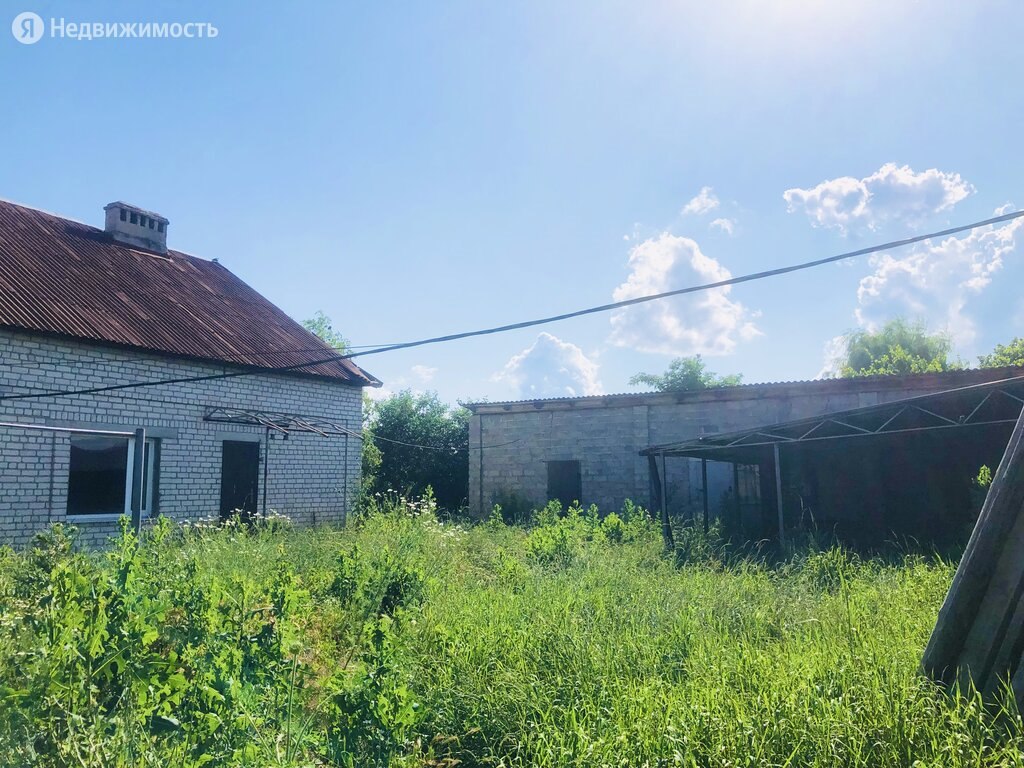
(565, 482)
(100, 476)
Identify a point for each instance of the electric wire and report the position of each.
(258, 370)
(143, 356)
(357, 434)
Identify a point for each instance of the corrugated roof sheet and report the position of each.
(62, 277)
(938, 380)
(958, 407)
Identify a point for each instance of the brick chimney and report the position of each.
(134, 226)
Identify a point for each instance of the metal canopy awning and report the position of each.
(998, 402)
(280, 422)
(985, 408)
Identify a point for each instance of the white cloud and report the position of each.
(726, 225)
(379, 393)
(832, 357)
(892, 192)
(937, 280)
(416, 380)
(424, 373)
(704, 202)
(708, 322)
(551, 368)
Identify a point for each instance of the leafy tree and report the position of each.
(320, 324)
(1004, 354)
(897, 348)
(423, 442)
(686, 373)
(371, 455)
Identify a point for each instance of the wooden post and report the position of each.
(704, 486)
(266, 469)
(666, 524)
(344, 485)
(657, 496)
(979, 635)
(738, 508)
(778, 494)
(138, 474)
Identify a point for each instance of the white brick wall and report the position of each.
(312, 479)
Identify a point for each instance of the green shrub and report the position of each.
(403, 641)
(695, 546)
(830, 569)
(613, 528)
(554, 544)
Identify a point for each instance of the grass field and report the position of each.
(403, 641)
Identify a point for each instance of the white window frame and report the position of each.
(149, 456)
(147, 501)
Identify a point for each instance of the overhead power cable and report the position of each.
(257, 370)
(143, 356)
(442, 449)
(349, 432)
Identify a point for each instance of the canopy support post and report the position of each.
(704, 486)
(778, 494)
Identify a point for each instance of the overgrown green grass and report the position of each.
(403, 641)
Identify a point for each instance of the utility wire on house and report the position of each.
(357, 434)
(227, 355)
(349, 432)
(255, 370)
(443, 449)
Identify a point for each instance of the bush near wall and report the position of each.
(404, 641)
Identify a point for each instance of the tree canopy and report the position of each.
(422, 442)
(898, 347)
(321, 325)
(1004, 354)
(686, 373)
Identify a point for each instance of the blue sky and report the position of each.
(415, 169)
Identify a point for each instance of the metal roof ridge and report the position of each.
(101, 231)
(46, 212)
(697, 441)
(733, 387)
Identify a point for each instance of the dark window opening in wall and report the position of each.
(100, 475)
(239, 480)
(565, 482)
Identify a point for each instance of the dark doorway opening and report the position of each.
(564, 482)
(239, 479)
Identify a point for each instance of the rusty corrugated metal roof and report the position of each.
(62, 277)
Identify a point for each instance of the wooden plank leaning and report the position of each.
(979, 636)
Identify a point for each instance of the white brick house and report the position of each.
(82, 308)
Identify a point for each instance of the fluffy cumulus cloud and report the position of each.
(423, 373)
(938, 280)
(416, 380)
(708, 322)
(892, 192)
(704, 202)
(551, 367)
(726, 225)
(832, 357)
